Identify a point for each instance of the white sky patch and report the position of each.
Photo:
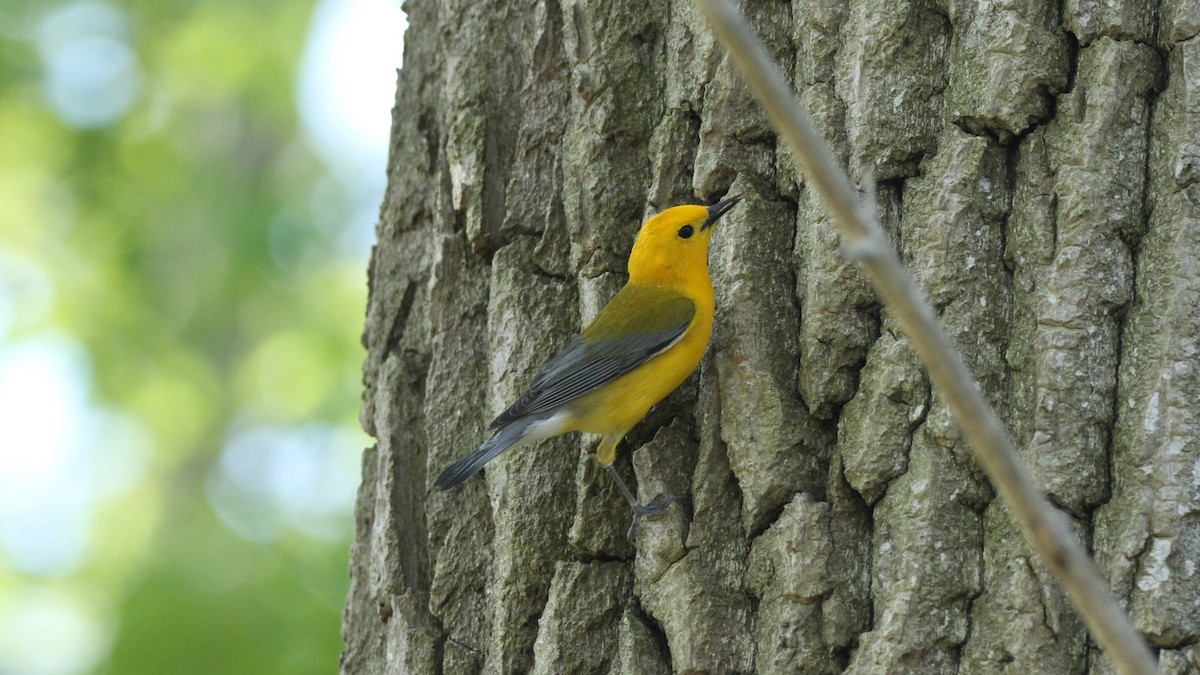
(43, 385)
(346, 89)
(49, 632)
(60, 454)
(348, 81)
(92, 74)
(273, 479)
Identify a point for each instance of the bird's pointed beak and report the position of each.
(719, 209)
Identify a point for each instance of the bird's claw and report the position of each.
(656, 509)
(657, 506)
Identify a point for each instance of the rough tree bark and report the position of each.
(1037, 166)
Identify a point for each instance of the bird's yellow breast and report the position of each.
(615, 408)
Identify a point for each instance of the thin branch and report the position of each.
(1042, 524)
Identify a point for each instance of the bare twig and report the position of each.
(1042, 525)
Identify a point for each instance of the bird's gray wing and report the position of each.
(637, 325)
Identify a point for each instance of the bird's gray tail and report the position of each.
(468, 466)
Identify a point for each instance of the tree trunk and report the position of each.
(1038, 169)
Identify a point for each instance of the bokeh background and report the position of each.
(187, 195)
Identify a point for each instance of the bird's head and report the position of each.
(672, 246)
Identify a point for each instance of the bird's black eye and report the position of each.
(686, 231)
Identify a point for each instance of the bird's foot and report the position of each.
(657, 508)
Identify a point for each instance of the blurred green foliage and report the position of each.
(178, 245)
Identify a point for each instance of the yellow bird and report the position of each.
(639, 348)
